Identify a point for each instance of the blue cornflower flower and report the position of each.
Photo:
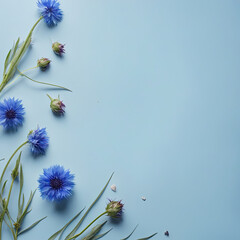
(56, 183)
(50, 11)
(11, 113)
(38, 140)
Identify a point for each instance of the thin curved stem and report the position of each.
(9, 218)
(14, 80)
(77, 235)
(49, 84)
(89, 209)
(9, 194)
(5, 168)
(9, 228)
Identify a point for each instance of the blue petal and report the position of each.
(47, 191)
(16, 108)
(50, 10)
(38, 141)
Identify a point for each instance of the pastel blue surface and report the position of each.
(155, 99)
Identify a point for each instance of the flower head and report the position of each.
(58, 48)
(114, 209)
(11, 113)
(50, 11)
(57, 106)
(38, 140)
(56, 183)
(43, 63)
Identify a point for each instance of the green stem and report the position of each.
(2, 85)
(9, 194)
(5, 208)
(30, 69)
(35, 25)
(9, 228)
(49, 84)
(14, 80)
(5, 168)
(49, 97)
(77, 235)
(9, 218)
(16, 235)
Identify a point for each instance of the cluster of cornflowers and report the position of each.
(55, 183)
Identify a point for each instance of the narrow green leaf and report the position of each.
(95, 230)
(71, 234)
(15, 47)
(26, 211)
(54, 236)
(13, 52)
(101, 235)
(130, 234)
(21, 180)
(4, 185)
(6, 62)
(18, 54)
(10, 55)
(17, 57)
(32, 226)
(148, 237)
(21, 208)
(49, 84)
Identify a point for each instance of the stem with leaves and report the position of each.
(5, 168)
(77, 235)
(5, 205)
(19, 75)
(5, 208)
(14, 57)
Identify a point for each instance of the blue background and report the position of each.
(155, 99)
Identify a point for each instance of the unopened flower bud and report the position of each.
(57, 106)
(16, 225)
(58, 48)
(114, 209)
(43, 63)
(15, 171)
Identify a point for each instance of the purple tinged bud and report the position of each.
(58, 48)
(57, 106)
(43, 63)
(114, 209)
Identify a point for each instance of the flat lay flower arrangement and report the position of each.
(56, 183)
